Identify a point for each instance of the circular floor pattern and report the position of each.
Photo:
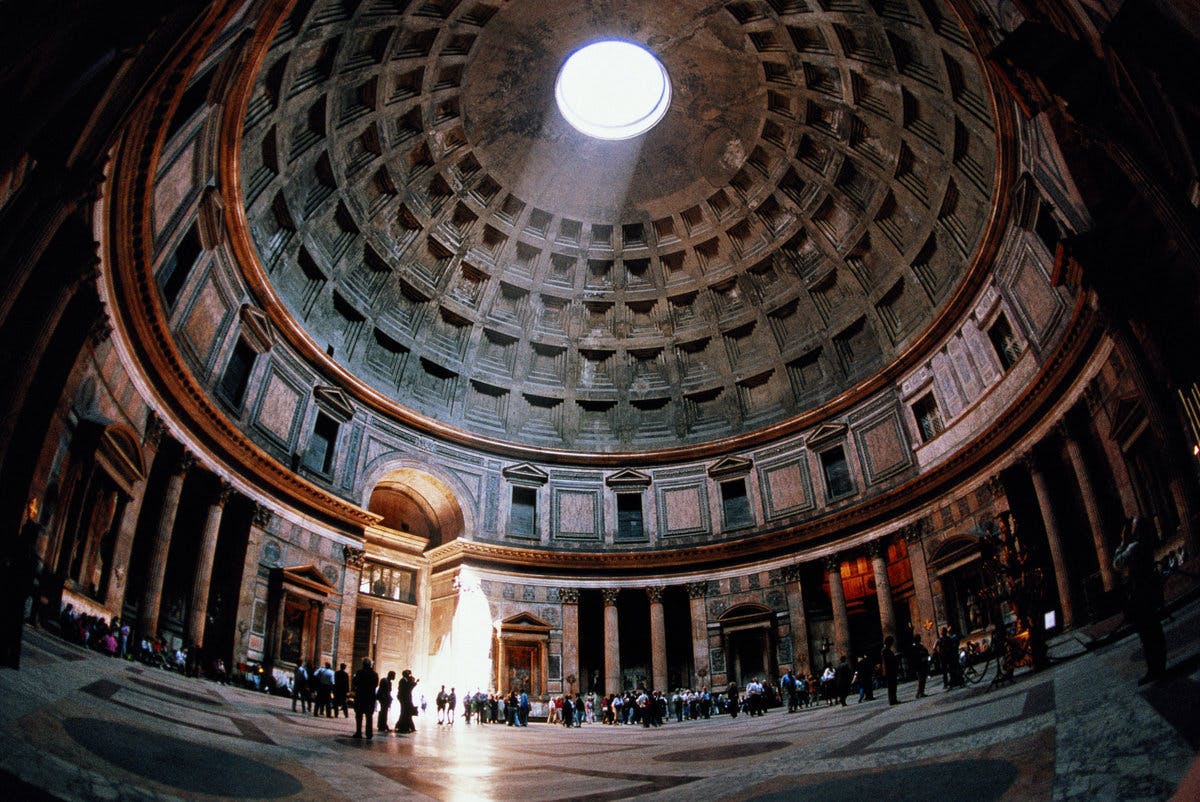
(724, 752)
(967, 780)
(180, 764)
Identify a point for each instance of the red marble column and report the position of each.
(837, 595)
(152, 596)
(877, 549)
(922, 582)
(612, 642)
(202, 582)
(1091, 506)
(1058, 555)
(658, 639)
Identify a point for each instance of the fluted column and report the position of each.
(247, 591)
(1058, 556)
(658, 639)
(1091, 506)
(152, 596)
(798, 620)
(202, 582)
(697, 591)
(612, 641)
(877, 549)
(837, 596)
(570, 636)
(922, 582)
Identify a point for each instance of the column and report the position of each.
(841, 620)
(612, 642)
(922, 585)
(697, 591)
(123, 547)
(658, 639)
(152, 596)
(501, 667)
(1091, 506)
(570, 637)
(877, 549)
(202, 582)
(1057, 556)
(801, 653)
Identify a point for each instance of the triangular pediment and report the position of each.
(526, 474)
(256, 329)
(827, 433)
(524, 621)
(628, 478)
(335, 402)
(729, 466)
(310, 577)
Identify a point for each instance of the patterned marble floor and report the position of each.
(81, 726)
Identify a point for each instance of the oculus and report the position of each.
(612, 89)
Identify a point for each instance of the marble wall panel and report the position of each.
(786, 488)
(207, 317)
(683, 510)
(278, 408)
(882, 447)
(173, 187)
(577, 513)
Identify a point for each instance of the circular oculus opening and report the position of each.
(612, 90)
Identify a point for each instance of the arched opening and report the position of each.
(411, 500)
(957, 566)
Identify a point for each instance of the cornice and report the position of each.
(246, 257)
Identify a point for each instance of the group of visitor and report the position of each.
(370, 693)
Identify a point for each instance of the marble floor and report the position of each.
(82, 726)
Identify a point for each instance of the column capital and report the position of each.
(187, 461)
(568, 595)
(262, 516)
(224, 492)
(791, 573)
(877, 548)
(1029, 462)
(832, 563)
(353, 557)
(610, 595)
(995, 486)
(696, 590)
(1065, 430)
(155, 429)
(913, 532)
(654, 592)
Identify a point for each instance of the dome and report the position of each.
(810, 203)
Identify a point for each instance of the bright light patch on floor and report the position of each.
(612, 90)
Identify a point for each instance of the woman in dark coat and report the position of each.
(407, 710)
(733, 699)
(364, 684)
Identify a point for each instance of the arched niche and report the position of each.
(411, 500)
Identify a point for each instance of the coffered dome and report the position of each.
(816, 192)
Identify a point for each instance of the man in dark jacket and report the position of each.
(341, 689)
(889, 664)
(365, 681)
(841, 677)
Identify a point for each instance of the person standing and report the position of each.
(841, 680)
(920, 660)
(451, 703)
(441, 705)
(324, 681)
(384, 696)
(341, 689)
(889, 664)
(787, 684)
(300, 690)
(524, 707)
(1143, 594)
(732, 693)
(365, 681)
(407, 710)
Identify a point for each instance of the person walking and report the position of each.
(300, 687)
(365, 681)
(341, 690)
